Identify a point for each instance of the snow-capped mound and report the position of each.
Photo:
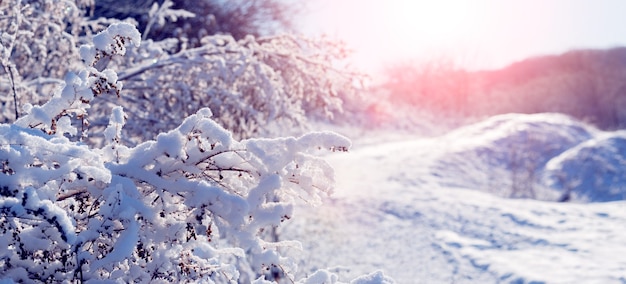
(593, 171)
(506, 154)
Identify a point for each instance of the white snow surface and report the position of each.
(417, 211)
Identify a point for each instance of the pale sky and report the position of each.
(478, 34)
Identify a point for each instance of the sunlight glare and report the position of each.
(381, 30)
(478, 33)
(429, 22)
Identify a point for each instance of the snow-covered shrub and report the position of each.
(191, 205)
(39, 42)
(251, 85)
(35, 41)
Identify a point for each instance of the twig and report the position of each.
(64, 196)
(10, 71)
(285, 273)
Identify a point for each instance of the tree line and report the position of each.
(587, 84)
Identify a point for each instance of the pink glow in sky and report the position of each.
(477, 34)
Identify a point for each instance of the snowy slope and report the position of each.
(396, 208)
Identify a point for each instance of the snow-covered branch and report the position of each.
(194, 204)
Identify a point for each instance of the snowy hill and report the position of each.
(507, 154)
(434, 210)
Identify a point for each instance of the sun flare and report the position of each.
(429, 22)
(429, 27)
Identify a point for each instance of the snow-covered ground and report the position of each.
(424, 210)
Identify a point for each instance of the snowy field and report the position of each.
(437, 210)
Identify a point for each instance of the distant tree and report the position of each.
(436, 85)
(599, 87)
(586, 84)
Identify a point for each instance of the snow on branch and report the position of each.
(251, 85)
(194, 204)
(72, 101)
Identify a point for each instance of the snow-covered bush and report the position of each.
(39, 43)
(191, 205)
(252, 85)
(36, 48)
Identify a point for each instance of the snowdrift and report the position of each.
(540, 156)
(593, 171)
